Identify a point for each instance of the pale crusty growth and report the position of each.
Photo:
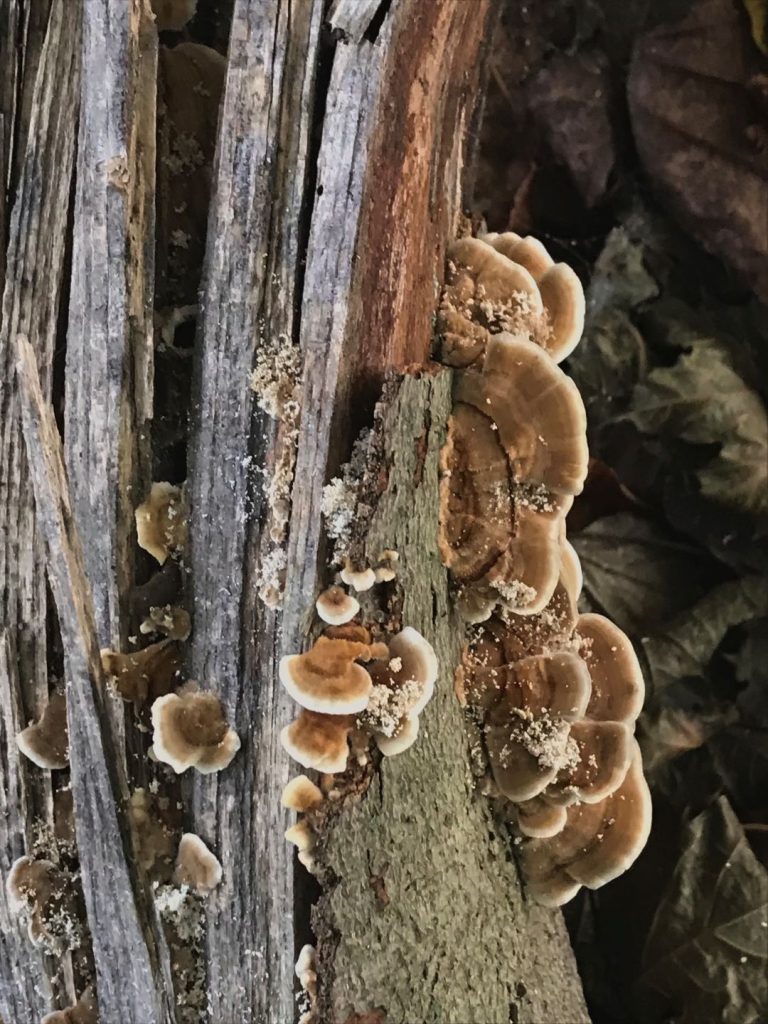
(85, 1011)
(196, 866)
(173, 15)
(345, 507)
(405, 736)
(276, 380)
(161, 522)
(597, 843)
(46, 896)
(46, 742)
(144, 675)
(319, 741)
(190, 731)
(301, 794)
(327, 678)
(336, 607)
(170, 621)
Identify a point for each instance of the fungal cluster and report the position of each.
(351, 687)
(554, 694)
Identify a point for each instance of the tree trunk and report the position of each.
(342, 163)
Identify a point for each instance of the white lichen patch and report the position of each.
(342, 508)
(270, 578)
(388, 706)
(182, 914)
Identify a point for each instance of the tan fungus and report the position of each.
(85, 1011)
(173, 15)
(301, 794)
(169, 620)
(161, 521)
(45, 895)
(46, 742)
(190, 731)
(196, 866)
(336, 607)
(327, 678)
(146, 674)
(318, 741)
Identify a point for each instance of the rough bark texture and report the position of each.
(427, 892)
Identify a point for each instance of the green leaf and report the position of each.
(703, 400)
(636, 574)
(686, 648)
(707, 950)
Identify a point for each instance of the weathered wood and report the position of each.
(249, 300)
(353, 17)
(426, 895)
(31, 299)
(109, 335)
(132, 964)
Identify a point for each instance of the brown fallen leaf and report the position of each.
(699, 129)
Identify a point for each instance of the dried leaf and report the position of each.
(700, 134)
(637, 574)
(674, 731)
(678, 401)
(758, 16)
(707, 950)
(687, 647)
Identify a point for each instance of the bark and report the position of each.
(344, 140)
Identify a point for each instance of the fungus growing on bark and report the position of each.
(539, 819)
(45, 895)
(46, 742)
(301, 835)
(155, 830)
(359, 579)
(173, 15)
(196, 866)
(336, 607)
(405, 736)
(515, 455)
(190, 731)
(560, 289)
(85, 1011)
(597, 843)
(301, 794)
(327, 678)
(173, 622)
(143, 675)
(318, 741)
(161, 521)
(618, 688)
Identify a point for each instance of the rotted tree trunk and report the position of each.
(343, 155)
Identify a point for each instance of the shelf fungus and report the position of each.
(161, 522)
(45, 894)
(196, 866)
(306, 973)
(146, 674)
(558, 724)
(336, 607)
(168, 620)
(46, 742)
(190, 731)
(85, 1011)
(507, 283)
(515, 456)
(301, 794)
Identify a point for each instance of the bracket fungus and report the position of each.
(301, 794)
(161, 521)
(515, 456)
(173, 15)
(85, 1011)
(146, 674)
(336, 607)
(318, 741)
(502, 282)
(46, 896)
(327, 678)
(190, 731)
(46, 742)
(196, 866)
(169, 620)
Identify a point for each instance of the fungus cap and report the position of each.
(190, 731)
(161, 522)
(480, 268)
(46, 742)
(301, 794)
(359, 579)
(336, 607)
(196, 866)
(318, 741)
(404, 738)
(618, 689)
(85, 1011)
(301, 835)
(327, 679)
(145, 674)
(605, 753)
(538, 819)
(537, 409)
(528, 252)
(169, 620)
(417, 663)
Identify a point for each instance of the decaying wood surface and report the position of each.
(337, 184)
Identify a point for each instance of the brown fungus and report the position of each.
(597, 843)
(318, 741)
(85, 1011)
(336, 607)
(190, 731)
(327, 678)
(196, 866)
(46, 896)
(146, 674)
(169, 620)
(161, 521)
(155, 824)
(173, 15)
(301, 794)
(46, 742)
